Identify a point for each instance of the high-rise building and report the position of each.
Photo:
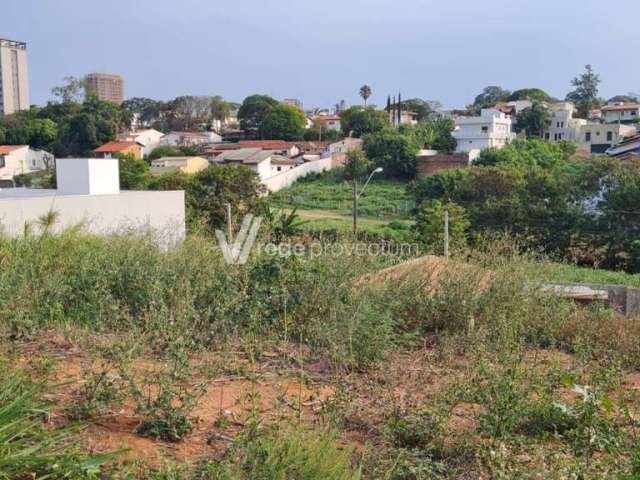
(14, 77)
(106, 86)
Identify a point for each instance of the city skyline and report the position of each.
(323, 53)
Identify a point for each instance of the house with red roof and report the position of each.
(21, 159)
(621, 113)
(115, 148)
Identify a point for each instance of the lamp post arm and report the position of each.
(366, 183)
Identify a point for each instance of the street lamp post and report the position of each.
(356, 197)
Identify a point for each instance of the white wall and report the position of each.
(87, 176)
(288, 178)
(159, 213)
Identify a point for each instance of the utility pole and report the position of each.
(355, 208)
(229, 232)
(446, 233)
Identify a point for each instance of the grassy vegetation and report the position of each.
(383, 199)
(572, 273)
(313, 367)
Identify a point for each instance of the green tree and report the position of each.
(254, 110)
(356, 121)
(218, 185)
(134, 174)
(3, 135)
(429, 225)
(365, 93)
(147, 110)
(422, 108)
(164, 151)
(73, 90)
(629, 98)
(534, 120)
(432, 134)
(533, 94)
(284, 122)
(490, 96)
(356, 165)
(394, 151)
(585, 95)
(219, 108)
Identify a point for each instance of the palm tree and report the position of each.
(365, 93)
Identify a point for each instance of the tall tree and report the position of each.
(365, 93)
(534, 120)
(219, 108)
(254, 110)
(585, 94)
(490, 96)
(73, 90)
(284, 122)
(356, 121)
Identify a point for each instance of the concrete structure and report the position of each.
(106, 86)
(599, 137)
(293, 101)
(621, 113)
(14, 77)
(281, 147)
(20, 159)
(111, 149)
(624, 299)
(187, 165)
(492, 129)
(429, 162)
(89, 195)
(563, 126)
(406, 118)
(149, 139)
(337, 151)
(190, 139)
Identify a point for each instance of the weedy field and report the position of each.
(120, 360)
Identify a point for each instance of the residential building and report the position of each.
(88, 195)
(149, 139)
(337, 151)
(112, 149)
(14, 77)
(327, 122)
(187, 165)
(492, 129)
(293, 101)
(599, 137)
(621, 113)
(563, 125)
(190, 139)
(20, 159)
(406, 118)
(281, 147)
(627, 149)
(106, 86)
(514, 107)
(266, 163)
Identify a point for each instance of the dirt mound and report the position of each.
(429, 270)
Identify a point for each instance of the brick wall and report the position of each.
(429, 164)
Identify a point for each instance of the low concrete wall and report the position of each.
(624, 299)
(159, 213)
(427, 165)
(288, 178)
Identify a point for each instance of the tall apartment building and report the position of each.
(14, 77)
(106, 86)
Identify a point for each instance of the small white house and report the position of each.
(328, 122)
(621, 113)
(19, 159)
(149, 139)
(491, 129)
(563, 125)
(89, 195)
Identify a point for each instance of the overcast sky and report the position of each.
(322, 51)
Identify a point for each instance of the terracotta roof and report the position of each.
(624, 106)
(326, 118)
(7, 149)
(265, 144)
(111, 147)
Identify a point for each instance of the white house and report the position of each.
(88, 194)
(491, 129)
(328, 122)
(265, 163)
(621, 113)
(563, 126)
(190, 139)
(19, 159)
(149, 139)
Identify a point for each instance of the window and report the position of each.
(609, 136)
(587, 137)
(2, 163)
(547, 136)
(485, 129)
(279, 168)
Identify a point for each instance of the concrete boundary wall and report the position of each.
(159, 213)
(288, 178)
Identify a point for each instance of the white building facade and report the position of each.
(621, 113)
(492, 129)
(150, 139)
(563, 126)
(21, 159)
